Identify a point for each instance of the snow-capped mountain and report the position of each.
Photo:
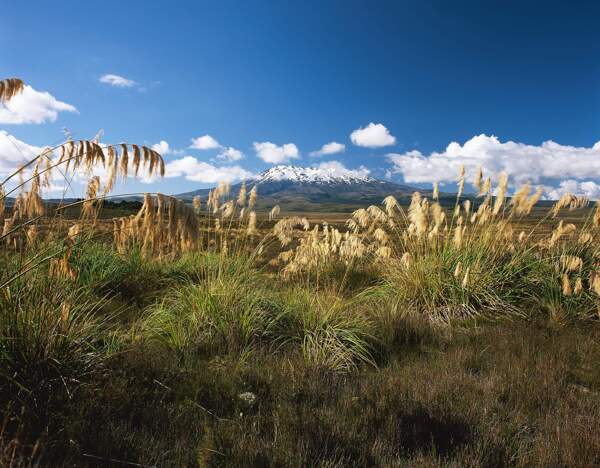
(328, 187)
(324, 174)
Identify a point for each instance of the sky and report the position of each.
(403, 90)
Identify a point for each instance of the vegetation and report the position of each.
(208, 335)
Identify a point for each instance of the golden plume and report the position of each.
(10, 87)
(136, 159)
(478, 178)
(241, 200)
(252, 198)
(274, 212)
(501, 195)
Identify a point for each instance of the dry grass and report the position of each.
(10, 87)
(419, 335)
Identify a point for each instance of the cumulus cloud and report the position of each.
(230, 154)
(205, 142)
(588, 189)
(117, 81)
(549, 163)
(14, 152)
(199, 171)
(273, 154)
(162, 147)
(32, 106)
(372, 136)
(227, 153)
(337, 169)
(329, 148)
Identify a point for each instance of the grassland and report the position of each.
(213, 359)
(154, 363)
(213, 334)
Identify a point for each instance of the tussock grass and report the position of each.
(191, 334)
(230, 308)
(430, 284)
(225, 309)
(51, 343)
(331, 332)
(49, 326)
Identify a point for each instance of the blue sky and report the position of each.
(516, 86)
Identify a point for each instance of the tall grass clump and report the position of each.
(107, 273)
(460, 282)
(226, 310)
(330, 332)
(473, 261)
(480, 257)
(51, 342)
(232, 307)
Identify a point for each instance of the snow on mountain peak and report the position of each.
(330, 172)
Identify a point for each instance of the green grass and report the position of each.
(149, 364)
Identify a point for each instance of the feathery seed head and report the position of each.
(501, 195)
(274, 212)
(461, 188)
(10, 87)
(465, 281)
(241, 201)
(251, 229)
(478, 178)
(436, 191)
(197, 203)
(252, 198)
(578, 286)
(390, 204)
(570, 263)
(486, 187)
(566, 285)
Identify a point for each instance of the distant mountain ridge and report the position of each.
(321, 189)
(316, 175)
(297, 188)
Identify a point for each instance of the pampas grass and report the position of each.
(10, 87)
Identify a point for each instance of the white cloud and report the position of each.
(230, 154)
(522, 162)
(118, 81)
(329, 148)
(205, 142)
(199, 171)
(32, 106)
(337, 169)
(544, 164)
(162, 147)
(14, 152)
(588, 189)
(372, 136)
(273, 154)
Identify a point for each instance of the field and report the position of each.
(212, 334)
